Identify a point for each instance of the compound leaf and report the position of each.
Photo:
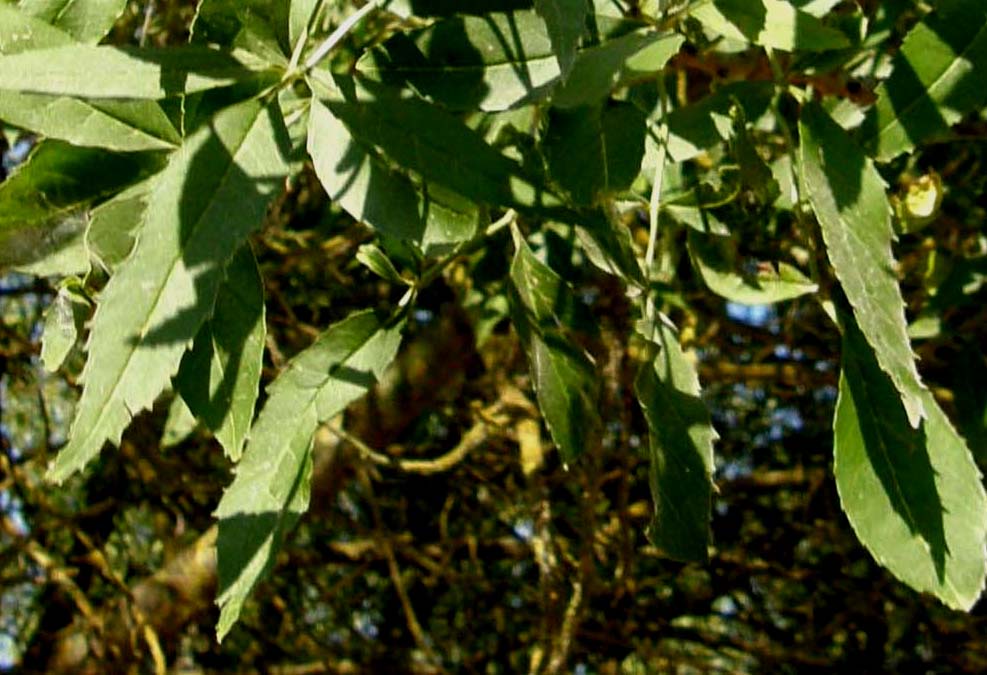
(214, 191)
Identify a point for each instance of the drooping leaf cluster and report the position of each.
(438, 128)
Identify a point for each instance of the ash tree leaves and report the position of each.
(271, 488)
(153, 306)
(934, 82)
(913, 495)
(680, 447)
(563, 376)
(849, 200)
(153, 169)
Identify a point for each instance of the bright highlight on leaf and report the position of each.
(914, 496)
(848, 198)
(271, 488)
(153, 306)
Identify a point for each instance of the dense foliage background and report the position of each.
(444, 532)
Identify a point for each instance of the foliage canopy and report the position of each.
(641, 141)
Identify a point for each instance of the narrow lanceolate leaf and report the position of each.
(374, 193)
(914, 496)
(563, 376)
(680, 448)
(85, 20)
(102, 72)
(152, 308)
(492, 62)
(771, 23)
(220, 376)
(271, 488)
(847, 195)
(565, 21)
(937, 78)
(82, 123)
(435, 145)
(58, 181)
(715, 258)
(299, 15)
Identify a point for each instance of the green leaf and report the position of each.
(608, 245)
(848, 198)
(595, 151)
(179, 424)
(57, 181)
(113, 225)
(692, 129)
(434, 144)
(299, 15)
(374, 193)
(86, 123)
(85, 20)
(116, 72)
(62, 325)
(599, 69)
(563, 376)
(935, 81)
(565, 21)
(715, 258)
(770, 23)
(271, 488)
(244, 23)
(494, 62)
(913, 496)
(680, 449)
(220, 376)
(19, 31)
(152, 308)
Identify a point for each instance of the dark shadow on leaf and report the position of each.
(898, 454)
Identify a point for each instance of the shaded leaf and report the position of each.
(771, 23)
(153, 306)
(244, 23)
(913, 496)
(219, 377)
(599, 69)
(935, 81)
(434, 144)
(113, 225)
(680, 448)
(492, 62)
(692, 129)
(86, 21)
(848, 198)
(595, 151)
(57, 181)
(563, 376)
(374, 193)
(62, 325)
(715, 258)
(566, 22)
(271, 488)
(103, 72)
(299, 16)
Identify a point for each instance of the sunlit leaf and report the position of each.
(220, 376)
(913, 496)
(848, 198)
(772, 23)
(936, 80)
(271, 488)
(85, 20)
(153, 306)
